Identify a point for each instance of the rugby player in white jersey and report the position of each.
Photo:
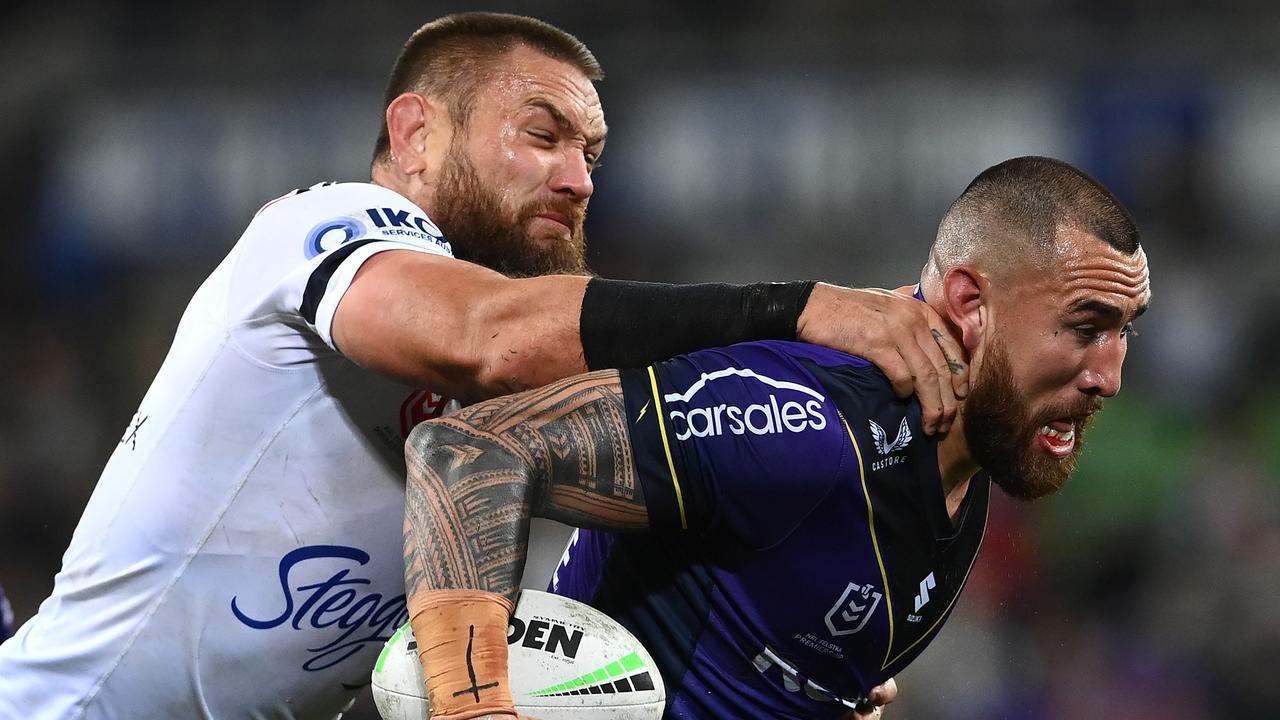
(241, 555)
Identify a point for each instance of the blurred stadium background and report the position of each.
(749, 140)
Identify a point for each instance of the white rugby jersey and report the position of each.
(241, 555)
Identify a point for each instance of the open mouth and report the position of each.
(1058, 437)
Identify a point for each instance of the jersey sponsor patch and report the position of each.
(387, 222)
(772, 665)
(331, 234)
(322, 589)
(788, 408)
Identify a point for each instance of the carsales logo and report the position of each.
(770, 416)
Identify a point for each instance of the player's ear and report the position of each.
(963, 291)
(419, 129)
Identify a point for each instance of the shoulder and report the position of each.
(775, 355)
(859, 390)
(821, 367)
(330, 214)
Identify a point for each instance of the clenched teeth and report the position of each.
(1060, 435)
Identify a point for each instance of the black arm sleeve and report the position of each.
(629, 324)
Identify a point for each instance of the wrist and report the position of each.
(809, 311)
(462, 645)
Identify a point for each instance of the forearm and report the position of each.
(474, 480)
(530, 340)
(467, 509)
(631, 324)
(471, 333)
(466, 532)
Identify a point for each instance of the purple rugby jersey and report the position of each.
(799, 551)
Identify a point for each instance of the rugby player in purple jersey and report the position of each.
(769, 518)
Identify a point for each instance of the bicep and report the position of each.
(406, 315)
(458, 328)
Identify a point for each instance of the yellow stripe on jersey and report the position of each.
(666, 445)
(955, 597)
(875, 542)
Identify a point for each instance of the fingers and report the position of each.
(893, 362)
(957, 368)
(880, 695)
(931, 387)
(902, 336)
(883, 694)
(938, 374)
(952, 371)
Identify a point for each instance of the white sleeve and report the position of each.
(298, 257)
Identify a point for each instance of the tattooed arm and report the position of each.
(475, 479)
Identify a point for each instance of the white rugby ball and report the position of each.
(568, 661)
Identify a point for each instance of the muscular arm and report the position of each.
(471, 333)
(458, 328)
(475, 479)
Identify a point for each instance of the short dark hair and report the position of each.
(1012, 213)
(448, 58)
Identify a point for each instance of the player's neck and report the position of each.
(956, 465)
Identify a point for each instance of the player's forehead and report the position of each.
(1090, 273)
(526, 81)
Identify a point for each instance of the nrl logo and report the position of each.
(882, 438)
(852, 611)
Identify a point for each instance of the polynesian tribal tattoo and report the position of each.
(475, 478)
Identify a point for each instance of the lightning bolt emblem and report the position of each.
(643, 410)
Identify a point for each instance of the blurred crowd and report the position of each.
(748, 141)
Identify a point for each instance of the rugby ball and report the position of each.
(568, 661)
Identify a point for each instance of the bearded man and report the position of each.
(241, 553)
(805, 538)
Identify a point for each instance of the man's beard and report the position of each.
(1002, 434)
(481, 231)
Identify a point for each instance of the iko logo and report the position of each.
(389, 221)
(849, 615)
(882, 438)
(358, 619)
(794, 681)
(544, 634)
(764, 418)
(331, 234)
